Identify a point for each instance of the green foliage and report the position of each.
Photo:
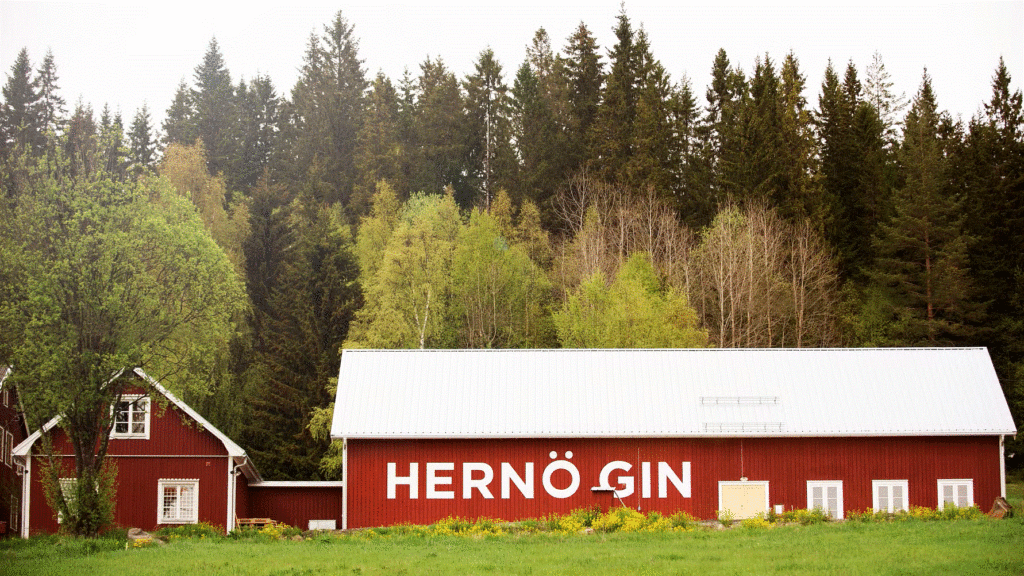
(109, 276)
(188, 531)
(633, 312)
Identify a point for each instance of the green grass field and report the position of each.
(912, 547)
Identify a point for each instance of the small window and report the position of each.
(827, 496)
(10, 449)
(179, 502)
(960, 493)
(890, 495)
(68, 490)
(15, 513)
(131, 417)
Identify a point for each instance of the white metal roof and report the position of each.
(668, 393)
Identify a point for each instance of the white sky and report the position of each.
(125, 54)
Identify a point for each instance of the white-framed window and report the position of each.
(959, 492)
(890, 495)
(10, 449)
(827, 496)
(68, 489)
(179, 501)
(131, 417)
(4, 450)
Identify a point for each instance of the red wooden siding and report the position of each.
(12, 433)
(296, 506)
(138, 499)
(171, 432)
(786, 463)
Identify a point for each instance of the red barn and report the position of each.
(522, 433)
(174, 467)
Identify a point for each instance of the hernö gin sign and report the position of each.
(559, 479)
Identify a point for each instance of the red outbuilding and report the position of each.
(173, 467)
(515, 434)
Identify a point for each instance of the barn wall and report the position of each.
(296, 506)
(786, 463)
(138, 495)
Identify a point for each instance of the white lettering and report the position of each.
(561, 465)
(625, 481)
(645, 479)
(433, 481)
(510, 476)
(412, 480)
(666, 475)
(469, 483)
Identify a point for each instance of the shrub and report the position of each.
(756, 523)
(200, 530)
(726, 517)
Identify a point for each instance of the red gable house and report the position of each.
(12, 433)
(174, 467)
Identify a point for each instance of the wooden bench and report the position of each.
(254, 522)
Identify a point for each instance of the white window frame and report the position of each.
(889, 485)
(179, 516)
(15, 513)
(825, 485)
(131, 399)
(9, 448)
(955, 483)
(4, 451)
(68, 487)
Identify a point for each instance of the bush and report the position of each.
(756, 523)
(200, 530)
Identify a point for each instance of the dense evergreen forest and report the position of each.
(583, 199)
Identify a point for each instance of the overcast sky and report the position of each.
(125, 54)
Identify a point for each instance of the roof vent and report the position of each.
(735, 400)
(743, 426)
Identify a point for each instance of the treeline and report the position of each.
(586, 200)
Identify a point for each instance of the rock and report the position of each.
(138, 534)
(297, 538)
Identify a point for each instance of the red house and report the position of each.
(12, 433)
(522, 433)
(173, 467)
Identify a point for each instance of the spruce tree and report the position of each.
(51, 105)
(616, 114)
(142, 151)
(179, 122)
(488, 128)
(584, 76)
(380, 148)
(20, 118)
(213, 103)
(921, 274)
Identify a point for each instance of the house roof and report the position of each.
(668, 393)
(234, 450)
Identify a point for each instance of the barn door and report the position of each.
(743, 499)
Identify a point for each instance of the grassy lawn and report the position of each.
(912, 547)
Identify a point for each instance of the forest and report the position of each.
(583, 199)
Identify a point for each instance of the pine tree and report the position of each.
(439, 134)
(488, 127)
(20, 119)
(616, 114)
(51, 106)
(584, 76)
(328, 102)
(380, 149)
(921, 274)
(142, 153)
(180, 122)
(213, 104)
(255, 132)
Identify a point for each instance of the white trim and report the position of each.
(764, 483)
(825, 485)
(298, 484)
(26, 492)
(955, 482)
(876, 484)
(344, 480)
(180, 483)
(1002, 467)
(231, 512)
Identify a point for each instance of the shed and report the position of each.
(522, 433)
